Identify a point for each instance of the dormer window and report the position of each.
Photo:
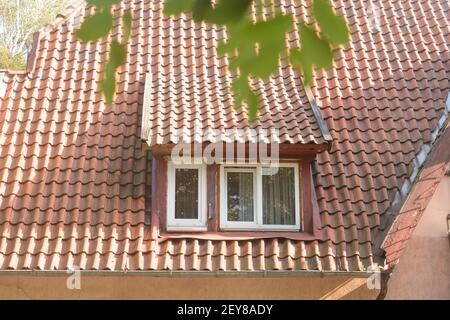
(233, 197)
(254, 197)
(186, 205)
(237, 199)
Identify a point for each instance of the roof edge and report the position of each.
(422, 156)
(193, 273)
(403, 194)
(145, 119)
(318, 115)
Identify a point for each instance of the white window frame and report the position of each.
(239, 224)
(174, 224)
(257, 224)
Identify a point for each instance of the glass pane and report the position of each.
(279, 197)
(186, 193)
(240, 196)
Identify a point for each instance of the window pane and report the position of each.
(240, 196)
(279, 197)
(186, 193)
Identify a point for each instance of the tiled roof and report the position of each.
(433, 172)
(74, 180)
(189, 98)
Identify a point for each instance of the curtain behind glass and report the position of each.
(279, 197)
(240, 202)
(186, 193)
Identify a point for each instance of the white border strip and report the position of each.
(145, 118)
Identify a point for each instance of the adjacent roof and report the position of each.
(406, 220)
(73, 177)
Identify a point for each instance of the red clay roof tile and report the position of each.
(74, 180)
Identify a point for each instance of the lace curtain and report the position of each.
(240, 195)
(186, 193)
(278, 196)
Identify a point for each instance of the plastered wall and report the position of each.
(423, 271)
(148, 287)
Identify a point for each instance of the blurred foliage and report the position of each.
(253, 47)
(7, 62)
(19, 19)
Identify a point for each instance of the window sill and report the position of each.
(261, 229)
(186, 229)
(241, 235)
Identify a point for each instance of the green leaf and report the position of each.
(253, 106)
(244, 94)
(95, 27)
(117, 57)
(118, 54)
(298, 62)
(103, 4)
(258, 47)
(272, 30)
(266, 62)
(224, 48)
(333, 26)
(315, 51)
(228, 11)
(268, 36)
(176, 7)
(108, 86)
(201, 9)
(127, 19)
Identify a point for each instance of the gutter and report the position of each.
(193, 274)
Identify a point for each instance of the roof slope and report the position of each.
(189, 100)
(433, 172)
(73, 178)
